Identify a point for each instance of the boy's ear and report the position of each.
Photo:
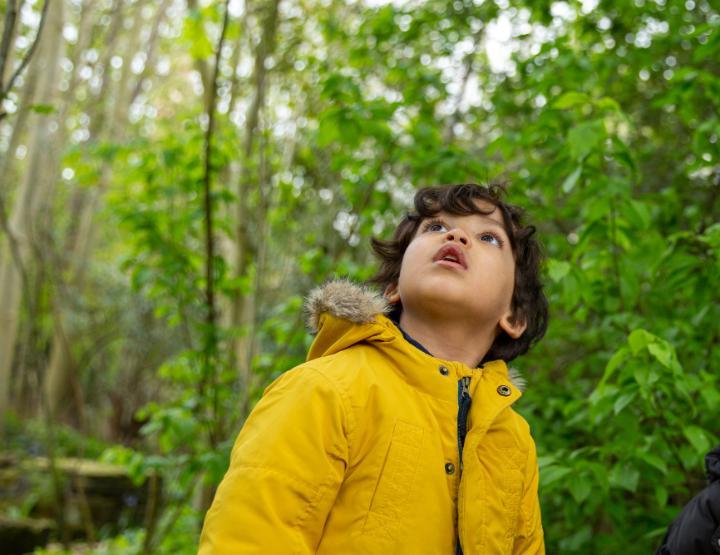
(392, 294)
(514, 327)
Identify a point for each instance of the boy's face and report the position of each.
(461, 266)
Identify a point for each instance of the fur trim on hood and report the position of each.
(359, 304)
(345, 300)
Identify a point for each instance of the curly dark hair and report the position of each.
(528, 301)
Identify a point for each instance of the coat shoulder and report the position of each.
(350, 370)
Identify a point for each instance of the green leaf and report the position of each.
(545, 461)
(585, 138)
(608, 104)
(697, 438)
(624, 476)
(328, 131)
(641, 213)
(557, 269)
(711, 396)
(43, 108)
(580, 487)
(645, 376)
(711, 237)
(195, 33)
(662, 352)
(661, 495)
(570, 99)
(552, 474)
(654, 461)
(601, 403)
(570, 181)
(640, 339)
(618, 358)
(623, 401)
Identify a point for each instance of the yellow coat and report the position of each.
(356, 451)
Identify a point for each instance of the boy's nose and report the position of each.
(458, 235)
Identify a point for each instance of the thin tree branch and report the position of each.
(152, 42)
(12, 241)
(614, 253)
(264, 49)
(468, 67)
(169, 523)
(209, 373)
(8, 28)
(26, 60)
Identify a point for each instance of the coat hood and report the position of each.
(341, 313)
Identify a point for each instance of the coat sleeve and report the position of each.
(285, 470)
(696, 530)
(530, 540)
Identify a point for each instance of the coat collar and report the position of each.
(358, 314)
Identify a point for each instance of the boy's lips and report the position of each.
(451, 254)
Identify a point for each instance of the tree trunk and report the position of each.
(243, 306)
(37, 177)
(109, 121)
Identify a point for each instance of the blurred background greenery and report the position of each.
(177, 174)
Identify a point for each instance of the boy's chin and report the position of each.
(443, 299)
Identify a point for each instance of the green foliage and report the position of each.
(622, 390)
(621, 399)
(603, 120)
(126, 544)
(30, 437)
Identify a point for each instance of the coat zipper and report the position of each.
(464, 401)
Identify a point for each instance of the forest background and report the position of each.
(177, 174)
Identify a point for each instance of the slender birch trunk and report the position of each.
(109, 121)
(243, 309)
(36, 180)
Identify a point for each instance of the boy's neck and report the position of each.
(449, 338)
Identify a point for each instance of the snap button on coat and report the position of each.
(444, 370)
(449, 468)
(504, 390)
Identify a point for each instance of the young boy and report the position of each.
(397, 435)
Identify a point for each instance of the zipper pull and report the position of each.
(465, 386)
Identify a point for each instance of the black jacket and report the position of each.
(696, 530)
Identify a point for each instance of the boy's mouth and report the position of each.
(451, 255)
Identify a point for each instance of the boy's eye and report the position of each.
(437, 227)
(491, 238)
